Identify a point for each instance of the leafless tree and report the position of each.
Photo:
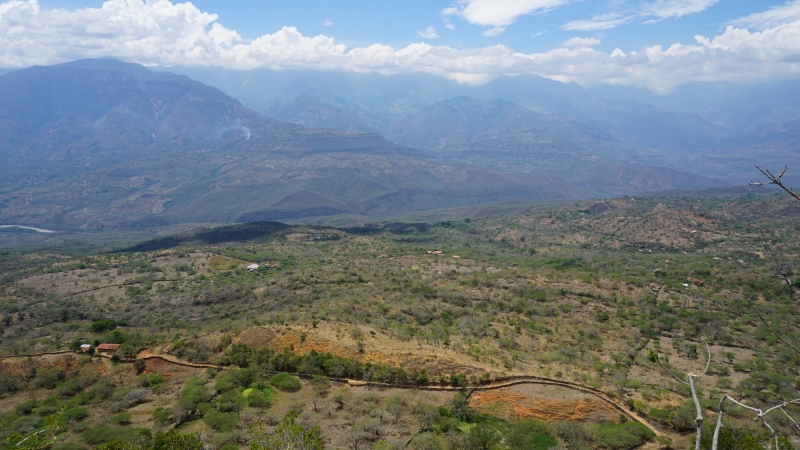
(689, 381)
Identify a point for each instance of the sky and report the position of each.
(652, 44)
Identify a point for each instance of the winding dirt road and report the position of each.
(496, 384)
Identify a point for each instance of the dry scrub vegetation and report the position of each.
(564, 292)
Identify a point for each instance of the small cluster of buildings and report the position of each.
(253, 267)
(655, 287)
(102, 349)
(440, 253)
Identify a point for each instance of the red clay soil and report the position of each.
(164, 367)
(511, 405)
(18, 364)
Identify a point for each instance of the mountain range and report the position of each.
(704, 127)
(102, 143)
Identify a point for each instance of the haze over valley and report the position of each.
(95, 144)
(439, 225)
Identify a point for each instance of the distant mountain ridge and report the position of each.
(502, 135)
(688, 129)
(101, 143)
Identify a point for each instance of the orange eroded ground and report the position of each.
(511, 403)
(166, 368)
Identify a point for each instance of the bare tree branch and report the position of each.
(698, 420)
(720, 413)
(708, 350)
(788, 416)
(776, 180)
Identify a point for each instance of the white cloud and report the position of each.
(648, 13)
(428, 33)
(158, 32)
(667, 9)
(499, 13)
(326, 23)
(495, 31)
(579, 42)
(777, 15)
(131, 30)
(602, 22)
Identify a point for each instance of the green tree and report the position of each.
(35, 440)
(529, 434)
(139, 365)
(482, 437)
(459, 407)
(289, 435)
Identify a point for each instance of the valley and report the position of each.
(99, 144)
(535, 274)
(430, 225)
(528, 325)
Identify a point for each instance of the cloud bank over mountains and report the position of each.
(759, 47)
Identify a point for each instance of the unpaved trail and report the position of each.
(497, 384)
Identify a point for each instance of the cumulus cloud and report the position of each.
(499, 13)
(777, 15)
(579, 42)
(428, 33)
(158, 32)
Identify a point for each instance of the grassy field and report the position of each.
(573, 292)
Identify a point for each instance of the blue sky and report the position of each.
(656, 44)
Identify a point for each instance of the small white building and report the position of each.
(252, 267)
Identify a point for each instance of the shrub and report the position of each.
(139, 365)
(194, 392)
(659, 415)
(257, 398)
(152, 380)
(67, 446)
(25, 424)
(9, 382)
(225, 383)
(77, 413)
(162, 416)
(177, 441)
(47, 407)
(27, 407)
(132, 398)
(105, 433)
(285, 382)
(121, 418)
(102, 325)
(49, 378)
(573, 433)
(620, 436)
(221, 421)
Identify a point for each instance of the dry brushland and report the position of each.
(534, 330)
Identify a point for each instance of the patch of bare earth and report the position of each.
(378, 348)
(542, 402)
